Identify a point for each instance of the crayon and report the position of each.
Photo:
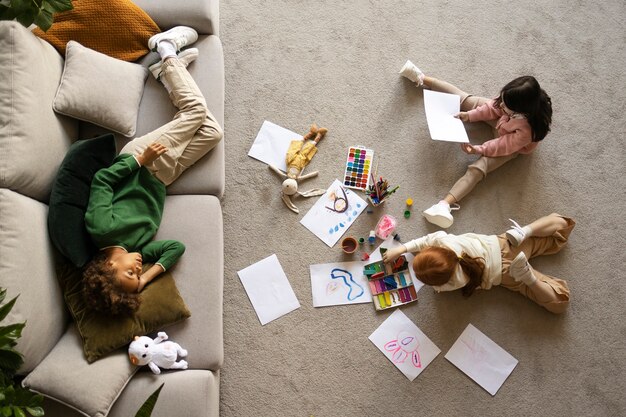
(381, 300)
(388, 298)
(373, 287)
(413, 293)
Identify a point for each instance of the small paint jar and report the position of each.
(407, 214)
(409, 202)
(349, 245)
(372, 237)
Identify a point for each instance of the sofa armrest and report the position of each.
(202, 15)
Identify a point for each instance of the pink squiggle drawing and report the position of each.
(404, 346)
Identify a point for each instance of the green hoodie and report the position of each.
(125, 209)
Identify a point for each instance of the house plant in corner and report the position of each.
(14, 400)
(38, 12)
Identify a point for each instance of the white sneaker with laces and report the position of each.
(516, 234)
(520, 270)
(186, 57)
(179, 35)
(410, 71)
(440, 214)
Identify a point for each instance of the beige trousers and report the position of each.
(189, 136)
(478, 170)
(532, 247)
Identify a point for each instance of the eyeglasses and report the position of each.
(340, 204)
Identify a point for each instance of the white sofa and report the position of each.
(33, 142)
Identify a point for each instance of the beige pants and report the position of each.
(478, 170)
(532, 247)
(189, 136)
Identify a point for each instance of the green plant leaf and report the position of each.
(17, 411)
(148, 406)
(3, 291)
(12, 331)
(6, 411)
(35, 411)
(44, 20)
(5, 309)
(60, 5)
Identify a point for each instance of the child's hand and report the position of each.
(464, 116)
(467, 148)
(393, 254)
(152, 153)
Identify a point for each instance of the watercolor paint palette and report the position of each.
(358, 168)
(390, 284)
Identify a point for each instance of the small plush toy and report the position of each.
(299, 155)
(156, 353)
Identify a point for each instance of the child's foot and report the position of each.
(186, 57)
(410, 71)
(440, 214)
(520, 270)
(180, 36)
(517, 234)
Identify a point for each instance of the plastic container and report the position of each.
(385, 226)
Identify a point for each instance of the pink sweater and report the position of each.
(515, 132)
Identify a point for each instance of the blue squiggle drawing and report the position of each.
(345, 281)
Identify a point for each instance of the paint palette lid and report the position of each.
(358, 168)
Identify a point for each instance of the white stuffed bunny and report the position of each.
(156, 353)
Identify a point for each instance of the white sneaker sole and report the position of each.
(438, 219)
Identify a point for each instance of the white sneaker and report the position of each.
(440, 214)
(179, 35)
(516, 234)
(186, 57)
(520, 270)
(410, 71)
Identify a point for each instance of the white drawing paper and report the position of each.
(440, 109)
(271, 144)
(390, 243)
(339, 283)
(330, 225)
(404, 344)
(481, 359)
(269, 290)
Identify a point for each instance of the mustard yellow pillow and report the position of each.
(117, 28)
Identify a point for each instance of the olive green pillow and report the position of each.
(161, 305)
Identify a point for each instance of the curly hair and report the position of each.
(102, 291)
(435, 266)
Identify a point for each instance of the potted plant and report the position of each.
(38, 12)
(14, 400)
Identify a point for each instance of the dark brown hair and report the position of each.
(435, 266)
(524, 95)
(102, 291)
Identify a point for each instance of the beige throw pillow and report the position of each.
(99, 89)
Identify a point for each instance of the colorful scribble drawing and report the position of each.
(338, 199)
(347, 276)
(405, 346)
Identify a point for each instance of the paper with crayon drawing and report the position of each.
(404, 344)
(339, 283)
(440, 109)
(333, 213)
(481, 359)
(269, 290)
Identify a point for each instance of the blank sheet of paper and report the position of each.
(481, 359)
(440, 109)
(271, 144)
(269, 290)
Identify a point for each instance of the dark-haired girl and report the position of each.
(471, 261)
(520, 117)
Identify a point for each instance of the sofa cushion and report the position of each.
(27, 269)
(33, 138)
(65, 376)
(161, 306)
(196, 220)
(70, 197)
(202, 15)
(117, 28)
(100, 89)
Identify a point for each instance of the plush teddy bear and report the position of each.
(299, 155)
(156, 353)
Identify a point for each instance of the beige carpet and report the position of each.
(336, 63)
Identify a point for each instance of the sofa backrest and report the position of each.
(202, 15)
(33, 138)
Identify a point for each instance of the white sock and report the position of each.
(444, 202)
(166, 49)
(527, 231)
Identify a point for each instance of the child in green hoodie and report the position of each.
(126, 200)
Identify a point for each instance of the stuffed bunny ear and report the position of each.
(312, 193)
